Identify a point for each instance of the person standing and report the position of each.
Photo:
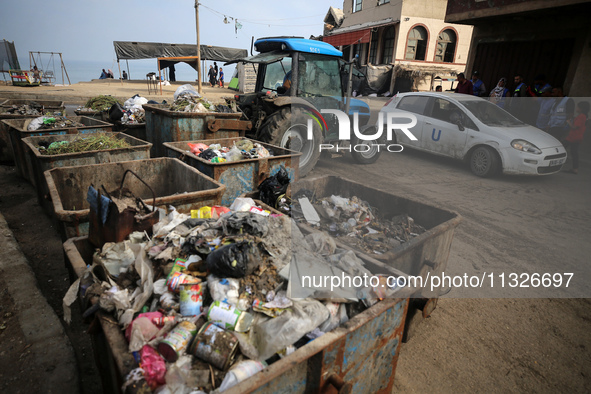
(211, 75)
(478, 88)
(171, 73)
(546, 102)
(540, 84)
(561, 112)
(215, 68)
(464, 85)
(498, 94)
(576, 132)
(519, 105)
(221, 78)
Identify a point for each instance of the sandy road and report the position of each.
(510, 224)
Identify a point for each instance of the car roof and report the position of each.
(456, 96)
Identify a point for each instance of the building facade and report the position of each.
(549, 38)
(408, 38)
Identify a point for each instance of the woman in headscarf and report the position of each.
(498, 94)
(110, 73)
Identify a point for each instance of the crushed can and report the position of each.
(228, 317)
(215, 346)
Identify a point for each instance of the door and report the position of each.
(441, 133)
(416, 105)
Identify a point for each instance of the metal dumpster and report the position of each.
(424, 255)
(17, 130)
(163, 125)
(137, 130)
(240, 176)
(137, 150)
(97, 115)
(361, 355)
(174, 183)
(53, 106)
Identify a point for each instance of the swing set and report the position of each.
(46, 69)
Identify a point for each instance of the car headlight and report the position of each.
(525, 146)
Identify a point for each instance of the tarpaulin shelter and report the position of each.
(168, 54)
(8, 57)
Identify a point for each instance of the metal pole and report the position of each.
(199, 89)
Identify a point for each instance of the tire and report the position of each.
(372, 155)
(288, 129)
(484, 162)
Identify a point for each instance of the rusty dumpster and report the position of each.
(173, 182)
(425, 255)
(17, 130)
(242, 176)
(358, 357)
(164, 125)
(55, 107)
(137, 150)
(97, 115)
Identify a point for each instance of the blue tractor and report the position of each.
(296, 79)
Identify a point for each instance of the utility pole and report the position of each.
(198, 47)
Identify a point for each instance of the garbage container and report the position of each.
(242, 176)
(17, 130)
(424, 255)
(174, 183)
(53, 106)
(97, 115)
(164, 125)
(137, 150)
(360, 355)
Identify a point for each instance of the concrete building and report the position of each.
(532, 37)
(408, 39)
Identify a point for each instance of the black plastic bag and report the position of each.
(249, 223)
(229, 261)
(273, 187)
(116, 112)
(207, 154)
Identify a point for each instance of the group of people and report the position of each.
(547, 108)
(216, 77)
(106, 74)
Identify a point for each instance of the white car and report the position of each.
(472, 129)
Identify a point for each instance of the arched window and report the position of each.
(446, 46)
(416, 47)
(388, 45)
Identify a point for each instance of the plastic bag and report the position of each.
(245, 222)
(36, 123)
(196, 149)
(142, 331)
(229, 261)
(321, 243)
(261, 151)
(242, 204)
(116, 112)
(273, 187)
(154, 366)
(135, 101)
(187, 88)
(207, 154)
(234, 154)
(244, 145)
(277, 333)
(224, 289)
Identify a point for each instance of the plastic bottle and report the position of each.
(241, 371)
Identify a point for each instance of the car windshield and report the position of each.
(490, 114)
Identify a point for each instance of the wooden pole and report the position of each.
(199, 89)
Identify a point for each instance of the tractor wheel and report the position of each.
(363, 156)
(288, 129)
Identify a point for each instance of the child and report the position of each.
(221, 78)
(577, 130)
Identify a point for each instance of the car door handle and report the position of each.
(429, 123)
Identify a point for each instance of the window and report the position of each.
(416, 47)
(318, 76)
(357, 5)
(373, 48)
(415, 104)
(449, 112)
(380, 2)
(446, 46)
(388, 45)
(275, 73)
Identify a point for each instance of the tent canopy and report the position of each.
(9, 60)
(150, 50)
(164, 62)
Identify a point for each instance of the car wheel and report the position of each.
(372, 154)
(484, 162)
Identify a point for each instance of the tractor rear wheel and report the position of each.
(288, 128)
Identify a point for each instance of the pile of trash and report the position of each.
(351, 221)
(187, 99)
(240, 150)
(52, 122)
(132, 112)
(82, 143)
(205, 302)
(32, 109)
(100, 103)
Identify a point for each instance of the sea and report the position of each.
(85, 70)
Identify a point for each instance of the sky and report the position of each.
(85, 30)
